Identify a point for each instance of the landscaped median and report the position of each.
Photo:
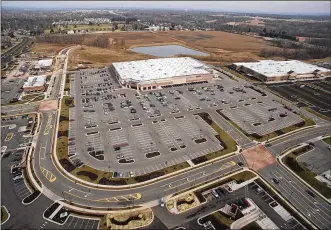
(129, 219)
(290, 160)
(317, 114)
(5, 215)
(183, 203)
(225, 139)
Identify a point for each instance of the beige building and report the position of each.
(271, 71)
(35, 84)
(157, 73)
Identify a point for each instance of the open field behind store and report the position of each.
(224, 48)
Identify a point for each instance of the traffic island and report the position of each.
(130, 219)
(327, 140)
(290, 160)
(183, 203)
(5, 215)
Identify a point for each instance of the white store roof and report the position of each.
(45, 62)
(35, 81)
(272, 68)
(155, 69)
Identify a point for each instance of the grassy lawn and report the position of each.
(223, 219)
(229, 144)
(64, 126)
(81, 27)
(243, 176)
(31, 96)
(317, 114)
(38, 98)
(327, 140)
(252, 226)
(4, 214)
(227, 139)
(298, 168)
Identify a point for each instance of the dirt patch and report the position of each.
(48, 105)
(48, 49)
(258, 157)
(99, 57)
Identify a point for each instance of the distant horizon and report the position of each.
(85, 5)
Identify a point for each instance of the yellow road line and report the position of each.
(124, 197)
(45, 172)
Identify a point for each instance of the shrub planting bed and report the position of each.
(105, 181)
(66, 164)
(125, 161)
(153, 154)
(149, 176)
(51, 209)
(90, 175)
(31, 197)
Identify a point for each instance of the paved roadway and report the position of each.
(67, 189)
(16, 50)
(316, 209)
(173, 220)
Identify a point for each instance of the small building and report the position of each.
(44, 64)
(271, 71)
(154, 74)
(35, 84)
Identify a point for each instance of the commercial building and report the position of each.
(157, 73)
(281, 71)
(35, 84)
(44, 64)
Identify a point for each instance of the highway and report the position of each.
(315, 209)
(16, 50)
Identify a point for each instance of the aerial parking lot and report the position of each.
(134, 133)
(313, 94)
(118, 127)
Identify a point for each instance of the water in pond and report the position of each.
(167, 51)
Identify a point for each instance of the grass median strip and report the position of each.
(298, 168)
(4, 214)
(317, 114)
(327, 140)
(226, 141)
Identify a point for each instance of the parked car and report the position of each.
(213, 191)
(275, 180)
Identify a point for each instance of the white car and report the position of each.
(162, 202)
(18, 177)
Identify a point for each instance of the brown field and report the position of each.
(211, 40)
(224, 48)
(258, 157)
(48, 49)
(99, 57)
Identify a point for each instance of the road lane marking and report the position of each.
(51, 178)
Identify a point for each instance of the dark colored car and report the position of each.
(310, 193)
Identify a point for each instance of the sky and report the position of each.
(280, 7)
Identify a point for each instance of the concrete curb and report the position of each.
(280, 161)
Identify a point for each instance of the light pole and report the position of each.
(63, 195)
